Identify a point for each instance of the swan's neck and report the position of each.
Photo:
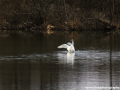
(72, 42)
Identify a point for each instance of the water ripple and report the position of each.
(63, 55)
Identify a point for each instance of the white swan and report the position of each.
(69, 46)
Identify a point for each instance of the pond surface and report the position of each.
(35, 62)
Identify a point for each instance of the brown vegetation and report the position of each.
(63, 14)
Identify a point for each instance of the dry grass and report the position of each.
(27, 14)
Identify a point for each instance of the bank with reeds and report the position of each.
(62, 14)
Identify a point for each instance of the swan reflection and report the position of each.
(66, 58)
(70, 57)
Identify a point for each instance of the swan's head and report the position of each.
(71, 40)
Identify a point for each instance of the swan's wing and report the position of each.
(69, 43)
(63, 46)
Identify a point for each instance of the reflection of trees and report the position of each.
(14, 75)
(73, 35)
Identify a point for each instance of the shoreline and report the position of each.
(29, 33)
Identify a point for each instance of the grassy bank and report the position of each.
(63, 14)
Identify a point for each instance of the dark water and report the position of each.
(35, 63)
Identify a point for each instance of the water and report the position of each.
(35, 62)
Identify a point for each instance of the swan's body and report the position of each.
(69, 46)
